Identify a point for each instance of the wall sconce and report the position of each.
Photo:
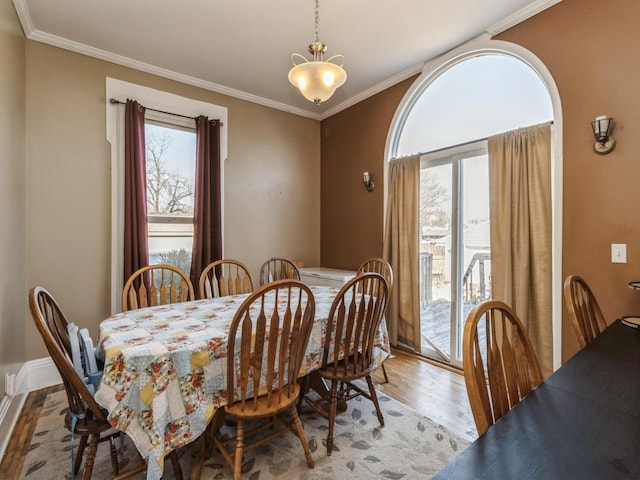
(366, 179)
(601, 131)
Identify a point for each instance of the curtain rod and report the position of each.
(463, 144)
(118, 102)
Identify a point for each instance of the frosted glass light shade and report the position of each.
(601, 128)
(317, 80)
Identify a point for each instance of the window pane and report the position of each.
(435, 260)
(476, 98)
(171, 244)
(476, 250)
(170, 194)
(171, 155)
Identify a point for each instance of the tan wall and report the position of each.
(353, 142)
(592, 54)
(12, 193)
(272, 186)
(274, 167)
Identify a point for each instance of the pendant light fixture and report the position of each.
(317, 79)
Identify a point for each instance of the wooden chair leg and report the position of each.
(384, 372)
(91, 455)
(374, 398)
(304, 387)
(301, 436)
(78, 460)
(203, 446)
(175, 462)
(333, 403)
(207, 443)
(113, 451)
(237, 469)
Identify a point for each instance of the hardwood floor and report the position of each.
(20, 441)
(437, 392)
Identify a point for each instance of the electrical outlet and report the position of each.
(618, 253)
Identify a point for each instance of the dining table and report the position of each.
(164, 374)
(582, 422)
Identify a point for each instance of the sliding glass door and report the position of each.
(455, 255)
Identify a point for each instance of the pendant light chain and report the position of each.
(317, 21)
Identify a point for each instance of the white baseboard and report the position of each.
(10, 409)
(33, 375)
(37, 374)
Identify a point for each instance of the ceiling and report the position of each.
(242, 48)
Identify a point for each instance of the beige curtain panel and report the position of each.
(520, 209)
(401, 251)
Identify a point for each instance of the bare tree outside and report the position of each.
(168, 192)
(434, 201)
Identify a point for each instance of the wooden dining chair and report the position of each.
(156, 285)
(378, 265)
(586, 317)
(381, 266)
(265, 349)
(225, 277)
(84, 417)
(500, 366)
(349, 344)
(278, 268)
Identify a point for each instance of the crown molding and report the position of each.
(390, 82)
(60, 42)
(520, 16)
(24, 16)
(56, 41)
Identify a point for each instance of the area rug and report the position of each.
(409, 446)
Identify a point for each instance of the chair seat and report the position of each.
(263, 409)
(87, 425)
(344, 370)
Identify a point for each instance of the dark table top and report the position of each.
(583, 422)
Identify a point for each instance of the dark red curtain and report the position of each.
(136, 251)
(207, 216)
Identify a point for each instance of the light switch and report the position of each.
(618, 253)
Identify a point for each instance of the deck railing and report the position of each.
(480, 290)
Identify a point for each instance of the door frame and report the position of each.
(484, 45)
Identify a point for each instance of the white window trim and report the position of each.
(484, 45)
(158, 100)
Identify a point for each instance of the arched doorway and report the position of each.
(478, 90)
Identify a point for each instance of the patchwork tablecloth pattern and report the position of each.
(165, 369)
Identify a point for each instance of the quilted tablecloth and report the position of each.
(165, 369)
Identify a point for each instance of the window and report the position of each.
(475, 98)
(476, 91)
(171, 153)
(157, 100)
